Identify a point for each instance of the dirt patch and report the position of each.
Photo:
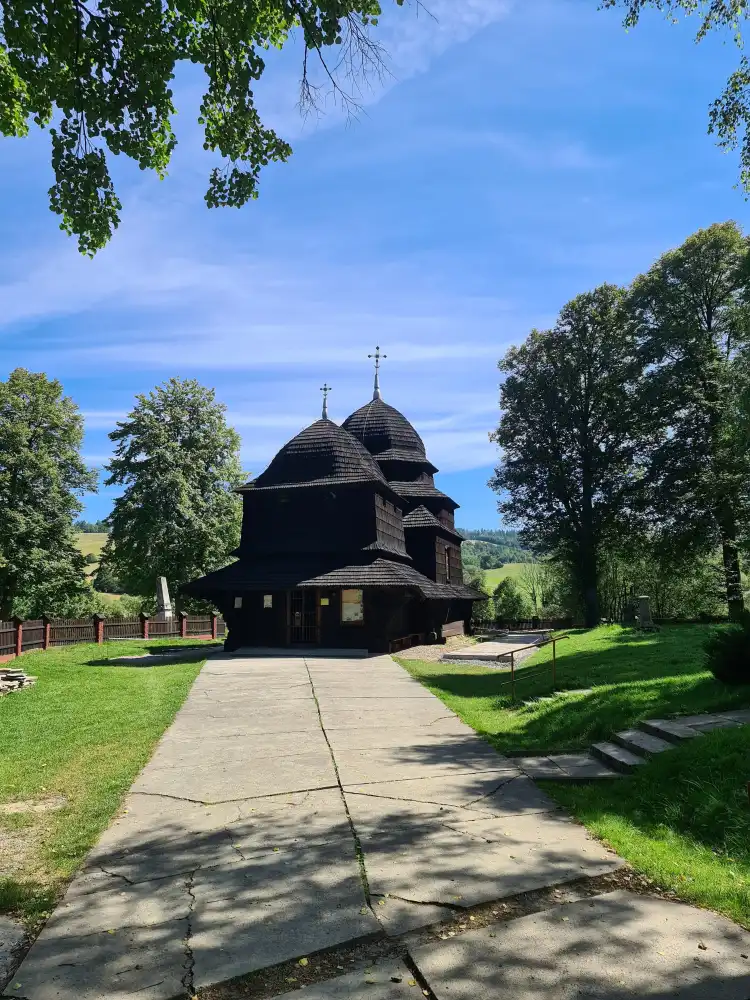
(33, 806)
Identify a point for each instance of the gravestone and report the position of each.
(163, 603)
(645, 621)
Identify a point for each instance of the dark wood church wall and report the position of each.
(450, 570)
(307, 521)
(254, 624)
(389, 525)
(420, 544)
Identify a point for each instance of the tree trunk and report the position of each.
(586, 579)
(735, 601)
(589, 593)
(731, 558)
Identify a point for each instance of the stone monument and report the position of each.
(163, 603)
(645, 621)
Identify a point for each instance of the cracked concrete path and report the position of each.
(295, 805)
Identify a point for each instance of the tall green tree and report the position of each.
(42, 476)
(729, 115)
(574, 435)
(178, 462)
(691, 318)
(97, 74)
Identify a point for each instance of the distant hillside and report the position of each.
(488, 549)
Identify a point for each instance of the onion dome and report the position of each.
(323, 454)
(387, 434)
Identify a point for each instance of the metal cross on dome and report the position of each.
(377, 356)
(325, 389)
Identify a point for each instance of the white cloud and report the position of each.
(411, 38)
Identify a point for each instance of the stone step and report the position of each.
(668, 729)
(640, 743)
(616, 757)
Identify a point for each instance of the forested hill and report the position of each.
(489, 549)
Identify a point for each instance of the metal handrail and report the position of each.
(532, 645)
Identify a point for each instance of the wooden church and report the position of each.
(346, 542)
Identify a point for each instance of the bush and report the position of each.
(90, 559)
(509, 601)
(106, 582)
(483, 612)
(728, 653)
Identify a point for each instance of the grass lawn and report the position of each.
(77, 739)
(631, 676)
(91, 542)
(683, 819)
(494, 576)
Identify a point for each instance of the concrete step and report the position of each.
(640, 743)
(668, 729)
(616, 757)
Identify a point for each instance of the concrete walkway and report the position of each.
(300, 804)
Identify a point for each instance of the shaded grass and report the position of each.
(631, 676)
(683, 819)
(82, 732)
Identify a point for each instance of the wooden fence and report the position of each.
(532, 624)
(18, 636)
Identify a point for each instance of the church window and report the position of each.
(447, 565)
(268, 600)
(352, 606)
(238, 602)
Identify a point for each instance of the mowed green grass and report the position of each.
(629, 676)
(494, 576)
(683, 819)
(81, 735)
(91, 542)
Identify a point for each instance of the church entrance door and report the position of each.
(303, 617)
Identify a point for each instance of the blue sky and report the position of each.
(521, 152)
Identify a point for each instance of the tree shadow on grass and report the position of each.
(628, 679)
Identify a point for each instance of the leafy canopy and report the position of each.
(574, 435)
(98, 75)
(692, 320)
(178, 462)
(42, 476)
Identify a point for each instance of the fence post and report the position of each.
(183, 624)
(554, 665)
(214, 625)
(47, 632)
(99, 628)
(512, 676)
(144, 625)
(18, 622)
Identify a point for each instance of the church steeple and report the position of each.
(377, 356)
(325, 389)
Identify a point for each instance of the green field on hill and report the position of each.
(91, 542)
(494, 576)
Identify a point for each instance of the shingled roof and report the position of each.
(279, 573)
(323, 454)
(420, 517)
(420, 489)
(386, 433)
